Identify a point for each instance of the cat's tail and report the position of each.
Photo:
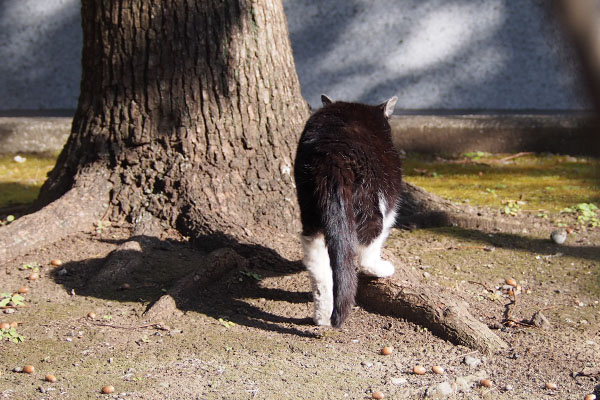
(340, 237)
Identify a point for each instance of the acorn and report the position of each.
(108, 389)
(419, 370)
(437, 369)
(486, 383)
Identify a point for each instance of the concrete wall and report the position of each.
(433, 54)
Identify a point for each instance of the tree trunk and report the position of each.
(194, 108)
(188, 118)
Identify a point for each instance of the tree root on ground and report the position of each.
(74, 212)
(437, 311)
(215, 265)
(422, 209)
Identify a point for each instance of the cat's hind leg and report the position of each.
(369, 256)
(316, 261)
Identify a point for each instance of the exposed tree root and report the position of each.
(128, 257)
(437, 311)
(74, 212)
(421, 209)
(214, 266)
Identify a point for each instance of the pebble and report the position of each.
(590, 397)
(540, 320)
(378, 395)
(387, 350)
(472, 362)
(398, 381)
(56, 262)
(551, 386)
(439, 391)
(558, 236)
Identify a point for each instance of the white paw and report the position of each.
(321, 320)
(380, 269)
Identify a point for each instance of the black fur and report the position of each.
(345, 161)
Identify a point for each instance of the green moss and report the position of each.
(540, 182)
(20, 183)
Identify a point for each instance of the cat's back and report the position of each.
(350, 123)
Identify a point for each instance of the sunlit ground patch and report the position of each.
(535, 183)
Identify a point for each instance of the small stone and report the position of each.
(551, 386)
(56, 262)
(17, 369)
(472, 362)
(590, 397)
(540, 320)
(426, 275)
(9, 311)
(558, 236)
(508, 388)
(439, 391)
(366, 364)
(398, 381)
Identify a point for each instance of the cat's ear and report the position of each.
(388, 106)
(325, 100)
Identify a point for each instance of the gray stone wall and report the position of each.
(40, 54)
(434, 54)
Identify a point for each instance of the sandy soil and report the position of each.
(248, 335)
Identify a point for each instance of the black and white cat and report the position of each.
(348, 179)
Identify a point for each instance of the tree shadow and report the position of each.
(238, 295)
(523, 243)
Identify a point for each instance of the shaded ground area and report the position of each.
(248, 334)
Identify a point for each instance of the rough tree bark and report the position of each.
(188, 118)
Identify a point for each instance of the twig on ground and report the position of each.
(511, 157)
(155, 325)
(483, 285)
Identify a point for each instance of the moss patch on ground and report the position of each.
(20, 182)
(538, 183)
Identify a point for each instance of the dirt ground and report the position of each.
(248, 334)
